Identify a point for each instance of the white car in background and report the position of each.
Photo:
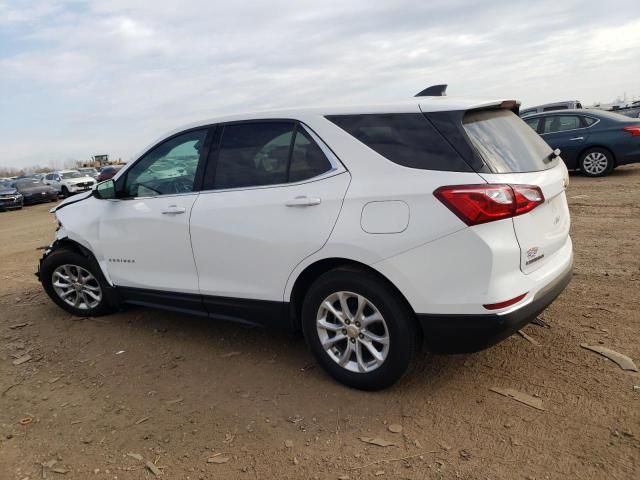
(69, 182)
(372, 230)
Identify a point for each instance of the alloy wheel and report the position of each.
(595, 163)
(77, 286)
(353, 332)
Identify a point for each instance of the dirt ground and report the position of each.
(202, 400)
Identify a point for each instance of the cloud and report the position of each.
(85, 77)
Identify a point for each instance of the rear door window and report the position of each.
(408, 139)
(261, 153)
(307, 159)
(560, 123)
(505, 143)
(253, 154)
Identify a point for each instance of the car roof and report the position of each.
(594, 112)
(412, 105)
(425, 104)
(66, 171)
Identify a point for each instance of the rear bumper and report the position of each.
(628, 158)
(10, 205)
(452, 333)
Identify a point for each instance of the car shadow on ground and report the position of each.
(215, 343)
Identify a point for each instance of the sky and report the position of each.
(79, 78)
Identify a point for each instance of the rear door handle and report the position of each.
(173, 210)
(574, 139)
(303, 201)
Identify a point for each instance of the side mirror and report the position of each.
(105, 190)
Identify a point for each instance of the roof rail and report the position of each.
(433, 91)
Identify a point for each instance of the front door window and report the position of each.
(168, 169)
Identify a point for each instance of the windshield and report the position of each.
(71, 175)
(505, 143)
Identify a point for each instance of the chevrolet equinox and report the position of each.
(437, 221)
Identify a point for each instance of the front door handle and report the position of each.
(303, 201)
(173, 210)
(575, 139)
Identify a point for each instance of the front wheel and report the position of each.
(65, 192)
(596, 162)
(359, 330)
(76, 284)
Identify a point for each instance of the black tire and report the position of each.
(65, 192)
(63, 256)
(596, 162)
(399, 319)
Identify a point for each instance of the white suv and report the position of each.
(68, 182)
(372, 230)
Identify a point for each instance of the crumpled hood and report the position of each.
(8, 191)
(68, 201)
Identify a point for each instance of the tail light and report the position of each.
(634, 130)
(476, 204)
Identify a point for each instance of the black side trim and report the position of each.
(471, 333)
(177, 302)
(262, 313)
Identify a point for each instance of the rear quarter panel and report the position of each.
(376, 179)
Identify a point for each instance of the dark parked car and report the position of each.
(10, 198)
(34, 191)
(592, 141)
(108, 172)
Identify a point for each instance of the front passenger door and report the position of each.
(144, 233)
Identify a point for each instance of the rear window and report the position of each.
(506, 143)
(408, 139)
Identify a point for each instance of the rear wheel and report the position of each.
(362, 333)
(596, 162)
(65, 192)
(76, 283)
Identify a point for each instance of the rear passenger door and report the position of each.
(271, 196)
(567, 133)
